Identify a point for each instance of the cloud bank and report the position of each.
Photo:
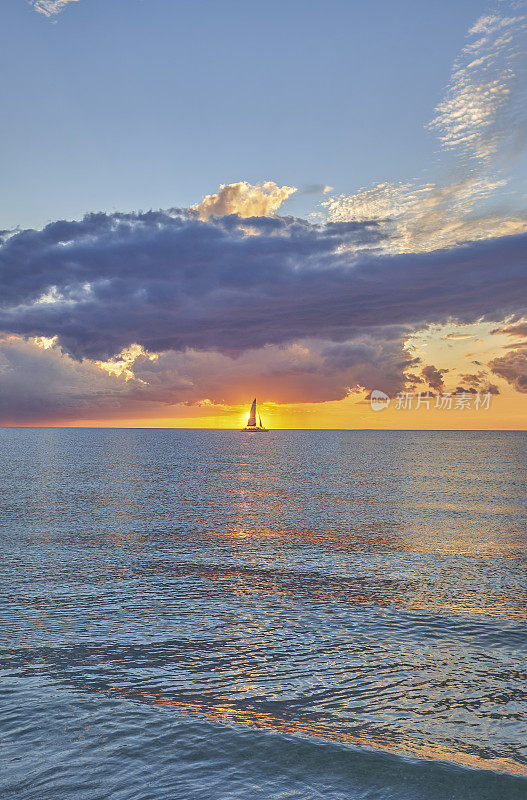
(47, 383)
(176, 282)
(202, 310)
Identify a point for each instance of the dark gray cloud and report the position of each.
(478, 382)
(487, 388)
(518, 329)
(512, 367)
(434, 377)
(171, 281)
(47, 384)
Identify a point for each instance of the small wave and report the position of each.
(260, 719)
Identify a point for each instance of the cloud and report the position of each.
(126, 314)
(488, 388)
(50, 8)
(478, 382)
(484, 112)
(307, 370)
(315, 188)
(483, 121)
(434, 377)
(512, 367)
(38, 381)
(41, 382)
(423, 217)
(174, 282)
(474, 378)
(383, 201)
(458, 336)
(518, 329)
(244, 199)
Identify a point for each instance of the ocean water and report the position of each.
(301, 614)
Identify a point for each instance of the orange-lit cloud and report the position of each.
(244, 199)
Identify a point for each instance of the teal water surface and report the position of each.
(301, 614)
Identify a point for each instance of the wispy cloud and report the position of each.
(315, 188)
(50, 8)
(423, 217)
(483, 120)
(484, 112)
(459, 336)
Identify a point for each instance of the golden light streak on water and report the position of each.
(255, 719)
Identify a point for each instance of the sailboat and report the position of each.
(252, 426)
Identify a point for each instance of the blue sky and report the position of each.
(127, 104)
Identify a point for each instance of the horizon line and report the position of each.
(241, 430)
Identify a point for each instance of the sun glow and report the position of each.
(123, 363)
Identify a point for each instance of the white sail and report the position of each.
(252, 415)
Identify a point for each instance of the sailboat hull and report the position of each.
(255, 430)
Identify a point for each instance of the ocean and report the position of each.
(294, 615)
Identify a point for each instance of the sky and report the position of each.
(306, 202)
